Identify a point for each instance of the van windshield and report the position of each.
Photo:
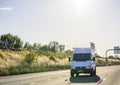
(81, 57)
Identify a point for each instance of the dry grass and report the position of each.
(13, 62)
(102, 61)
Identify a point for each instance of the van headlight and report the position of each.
(88, 67)
(72, 67)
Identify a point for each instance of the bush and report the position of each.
(53, 58)
(4, 72)
(100, 62)
(29, 58)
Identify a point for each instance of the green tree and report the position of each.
(61, 48)
(18, 44)
(27, 46)
(97, 56)
(54, 46)
(69, 52)
(36, 46)
(8, 41)
(111, 57)
(44, 48)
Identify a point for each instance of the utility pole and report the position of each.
(106, 58)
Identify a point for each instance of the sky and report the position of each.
(73, 23)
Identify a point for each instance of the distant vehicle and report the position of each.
(83, 61)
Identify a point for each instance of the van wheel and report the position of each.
(94, 72)
(72, 74)
(91, 73)
(77, 74)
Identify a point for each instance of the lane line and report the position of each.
(103, 79)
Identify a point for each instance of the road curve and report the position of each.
(108, 75)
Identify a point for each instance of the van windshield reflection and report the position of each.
(81, 57)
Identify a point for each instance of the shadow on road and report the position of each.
(84, 79)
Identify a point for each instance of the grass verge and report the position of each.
(22, 62)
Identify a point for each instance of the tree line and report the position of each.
(8, 41)
(52, 46)
(11, 42)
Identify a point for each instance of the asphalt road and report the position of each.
(109, 75)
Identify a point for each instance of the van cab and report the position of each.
(83, 61)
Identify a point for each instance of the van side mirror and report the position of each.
(93, 58)
(69, 59)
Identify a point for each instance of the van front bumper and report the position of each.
(82, 70)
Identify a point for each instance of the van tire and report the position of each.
(91, 73)
(94, 72)
(77, 74)
(72, 74)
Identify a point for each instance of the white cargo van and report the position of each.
(83, 61)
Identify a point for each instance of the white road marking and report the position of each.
(32, 83)
(103, 79)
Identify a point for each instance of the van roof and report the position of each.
(81, 50)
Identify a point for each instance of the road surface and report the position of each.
(108, 75)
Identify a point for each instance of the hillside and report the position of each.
(19, 62)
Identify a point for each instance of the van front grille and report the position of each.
(78, 68)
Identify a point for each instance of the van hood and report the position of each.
(81, 63)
